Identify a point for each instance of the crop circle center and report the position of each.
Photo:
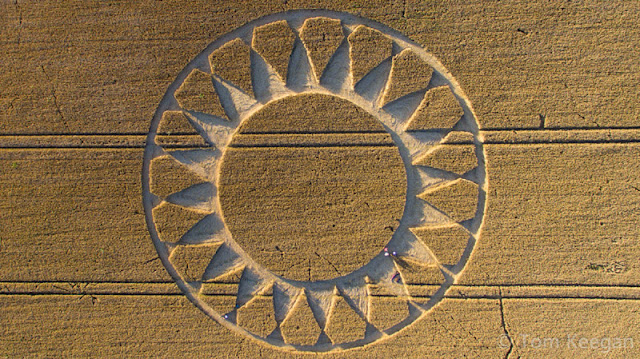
(312, 187)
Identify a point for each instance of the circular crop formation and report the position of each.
(314, 180)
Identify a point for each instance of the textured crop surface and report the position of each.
(366, 179)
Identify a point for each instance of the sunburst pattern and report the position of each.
(420, 106)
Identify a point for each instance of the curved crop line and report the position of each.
(391, 125)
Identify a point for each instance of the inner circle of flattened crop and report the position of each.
(201, 145)
(326, 203)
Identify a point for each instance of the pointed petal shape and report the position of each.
(409, 73)
(415, 310)
(371, 86)
(321, 37)
(437, 80)
(210, 229)
(422, 282)
(274, 42)
(321, 302)
(384, 277)
(465, 125)
(196, 287)
(337, 74)
(201, 162)
(232, 316)
(440, 109)
(457, 199)
(475, 175)
(169, 247)
(231, 277)
(453, 158)
(357, 296)
(427, 177)
(276, 335)
(323, 338)
(410, 248)
(423, 214)
(420, 142)
(371, 331)
(232, 63)
(403, 108)
(224, 261)
(267, 84)
(156, 150)
(215, 131)
(284, 297)
(155, 200)
(198, 197)
(251, 284)
(301, 75)
(197, 94)
(369, 47)
(235, 102)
